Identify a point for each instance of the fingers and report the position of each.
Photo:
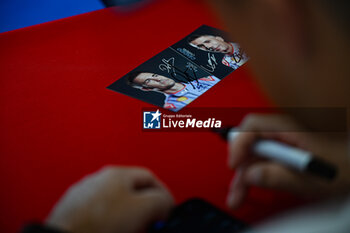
(267, 174)
(261, 173)
(239, 149)
(143, 187)
(257, 126)
(272, 175)
(237, 190)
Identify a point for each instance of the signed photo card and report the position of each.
(180, 74)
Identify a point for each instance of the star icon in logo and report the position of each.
(156, 115)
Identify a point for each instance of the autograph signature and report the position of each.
(168, 65)
(212, 63)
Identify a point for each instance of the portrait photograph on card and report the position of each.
(212, 50)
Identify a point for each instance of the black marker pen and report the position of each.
(301, 160)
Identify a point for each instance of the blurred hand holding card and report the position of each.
(181, 73)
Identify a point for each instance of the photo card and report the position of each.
(181, 73)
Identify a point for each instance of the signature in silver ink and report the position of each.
(212, 63)
(168, 65)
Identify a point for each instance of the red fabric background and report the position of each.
(59, 122)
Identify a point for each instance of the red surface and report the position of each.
(59, 122)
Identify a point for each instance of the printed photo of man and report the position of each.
(177, 94)
(234, 56)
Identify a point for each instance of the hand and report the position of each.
(115, 199)
(251, 170)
